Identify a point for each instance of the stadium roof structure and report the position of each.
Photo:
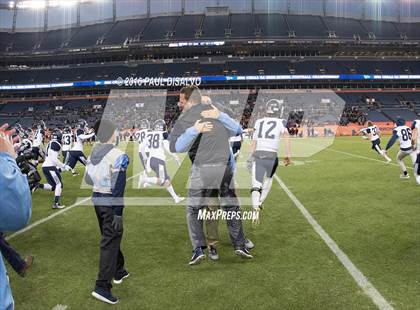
(35, 15)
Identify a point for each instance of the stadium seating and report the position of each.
(124, 31)
(306, 26)
(272, 25)
(187, 27)
(90, 35)
(209, 27)
(160, 28)
(215, 26)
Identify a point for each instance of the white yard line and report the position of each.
(51, 216)
(357, 275)
(364, 157)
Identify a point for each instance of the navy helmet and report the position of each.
(144, 124)
(159, 125)
(274, 107)
(400, 121)
(56, 135)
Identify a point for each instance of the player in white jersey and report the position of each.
(67, 143)
(156, 161)
(264, 151)
(140, 136)
(76, 152)
(38, 140)
(52, 168)
(415, 126)
(403, 134)
(372, 132)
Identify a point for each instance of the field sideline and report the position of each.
(360, 202)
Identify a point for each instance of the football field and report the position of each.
(340, 230)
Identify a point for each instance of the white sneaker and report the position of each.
(179, 199)
(404, 176)
(418, 179)
(388, 160)
(57, 206)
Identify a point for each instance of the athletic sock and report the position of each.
(266, 189)
(56, 199)
(47, 187)
(256, 195)
(171, 191)
(151, 180)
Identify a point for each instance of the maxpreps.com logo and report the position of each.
(160, 81)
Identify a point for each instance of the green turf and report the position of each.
(362, 204)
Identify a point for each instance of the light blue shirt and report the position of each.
(15, 212)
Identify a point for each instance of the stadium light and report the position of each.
(41, 4)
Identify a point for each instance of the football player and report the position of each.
(404, 134)
(372, 132)
(264, 151)
(38, 140)
(156, 161)
(76, 152)
(67, 144)
(52, 168)
(416, 135)
(140, 136)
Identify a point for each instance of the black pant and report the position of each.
(111, 260)
(10, 254)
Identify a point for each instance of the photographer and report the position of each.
(15, 207)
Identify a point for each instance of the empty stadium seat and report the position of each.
(90, 35)
(187, 26)
(345, 28)
(160, 28)
(272, 25)
(125, 30)
(215, 26)
(242, 25)
(306, 26)
(56, 39)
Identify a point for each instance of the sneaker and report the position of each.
(198, 256)
(123, 276)
(244, 253)
(57, 206)
(179, 199)
(105, 296)
(29, 261)
(75, 174)
(213, 253)
(249, 244)
(404, 176)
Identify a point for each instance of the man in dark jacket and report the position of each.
(204, 132)
(106, 171)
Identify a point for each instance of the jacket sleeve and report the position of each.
(15, 196)
(118, 181)
(230, 124)
(184, 141)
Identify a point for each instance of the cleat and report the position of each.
(120, 279)
(388, 161)
(57, 206)
(244, 253)
(213, 253)
(29, 261)
(404, 176)
(249, 244)
(179, 199)
(75, 174)
(104, 296)
(197, 257)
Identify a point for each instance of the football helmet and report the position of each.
(274, 106)
(144, 124)
(159, 125)
(56, 135)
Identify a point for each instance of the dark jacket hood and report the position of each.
(99, 152)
